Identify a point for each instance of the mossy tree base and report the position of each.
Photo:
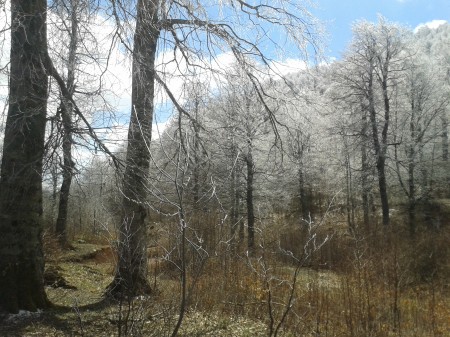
(125, 288)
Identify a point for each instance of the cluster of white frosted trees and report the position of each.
(392, 113)
(361, 136)
(192, 33)
(245, 143)
(354, 137)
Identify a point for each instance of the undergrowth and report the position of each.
(381, 284)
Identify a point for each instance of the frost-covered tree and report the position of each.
(376, 56)
(195, 33)
(417, 128)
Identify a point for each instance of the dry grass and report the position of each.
(380, 285)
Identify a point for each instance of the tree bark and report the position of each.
(382, 185)
(349, 191)
(66, 111)
(445, 146)
(379, 146)
(411, 152)
(365, 172)
(250, 206)
(304, 202)
(381, 155)
(411, 200)
(234, 199)
(196, 172)
(131, 272)
(444, 136)
(21, 256)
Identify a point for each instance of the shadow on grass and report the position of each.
(58, 320)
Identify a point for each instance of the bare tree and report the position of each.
(80, 54)
(299, 144)
(22, 261)
(65, 110)
(375, 56)
(131, 272)
(196, 33)
(242, 116)
(424, 104)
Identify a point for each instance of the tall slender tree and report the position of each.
(131, 272)
(244, 119)
(66, 112)
(376, 54)
(424, 104)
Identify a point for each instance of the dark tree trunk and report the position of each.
(304, 204)
(382, 184)
(234, 198)
(411, 199)
(196, 173)
(349, 188)
(411, 152)
(380, 146)
(298, 150)
(21, 256)
(131, 272)
(381, 154)
(365, 172)
(54, 173)
(445, 146)
(250, 206)
(66, 111)
(444, 135)
(68, 168)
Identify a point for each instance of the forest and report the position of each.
(165, 172)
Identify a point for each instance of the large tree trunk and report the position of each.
(66, 111)
(131, 272)
(21, 256)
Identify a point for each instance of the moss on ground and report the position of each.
(80, 308)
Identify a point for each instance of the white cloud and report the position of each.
(287, 66)
(434, 24)
(112, 73)
(159, 128)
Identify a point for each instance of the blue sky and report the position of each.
(337, 14)
(340, 14)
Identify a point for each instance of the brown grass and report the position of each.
(380, 284)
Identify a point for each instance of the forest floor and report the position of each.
(329, 303)
(80, 277)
